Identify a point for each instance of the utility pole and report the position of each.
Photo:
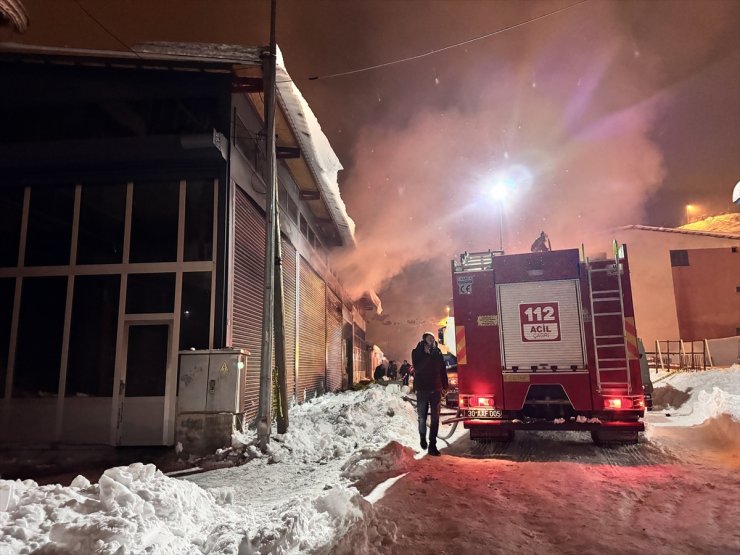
(282, 416)
(264, 417)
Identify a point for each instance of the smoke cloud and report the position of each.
(566, 127)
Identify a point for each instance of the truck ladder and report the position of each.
(604, 311)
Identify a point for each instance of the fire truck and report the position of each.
(547, 341)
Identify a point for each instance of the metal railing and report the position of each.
(475, 261)
(679, 355)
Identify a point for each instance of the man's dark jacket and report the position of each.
(379, 372)
(430, 373)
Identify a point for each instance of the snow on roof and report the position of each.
(225, 54)
(724, 223)
(681, 230)
(229, 53)
(315, 149)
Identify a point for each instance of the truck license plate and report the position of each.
(483, 413)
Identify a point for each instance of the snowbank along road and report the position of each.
(331, 485)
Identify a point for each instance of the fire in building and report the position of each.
(132, 209)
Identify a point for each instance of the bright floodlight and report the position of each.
(499, 192)
(736, 194)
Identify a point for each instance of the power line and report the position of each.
(448, 47)
(104, 28)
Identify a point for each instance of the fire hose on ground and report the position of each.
(454, 421)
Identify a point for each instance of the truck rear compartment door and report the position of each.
(541, 326)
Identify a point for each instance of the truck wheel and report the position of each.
(606, 438)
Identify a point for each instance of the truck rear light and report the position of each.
(472, 401)
(485, 401)
(625, 403)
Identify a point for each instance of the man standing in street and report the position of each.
(430, 378)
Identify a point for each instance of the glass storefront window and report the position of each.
(154, 222)
(40, 329)
(92, 340)
(195, 318)
(150, 293)
(7, 293)
(49, 226)
(102, 214)
(11, 212)
(198, 220)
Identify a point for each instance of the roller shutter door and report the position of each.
(312, 334)
(249, 268)
(334, 369)
(289, 289)
(541, 325)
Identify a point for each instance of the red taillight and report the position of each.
(624, 403)
(475, 401)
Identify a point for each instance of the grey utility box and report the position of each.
(210, 396)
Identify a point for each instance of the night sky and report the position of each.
(605, 114)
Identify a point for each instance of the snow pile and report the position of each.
(714, 404)
(333, 426)
(711, 394)
(308, 525)
(393, 458)
(298, 498)
(302, 489)
(132, 508)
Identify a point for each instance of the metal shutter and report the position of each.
(289, 289)
(312, 335)
(334, 369)
(249, 276)
(564, 353)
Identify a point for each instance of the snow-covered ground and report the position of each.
(295, 499)
(710, 394)
(697, 415)
(347, 479)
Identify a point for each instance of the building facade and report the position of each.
(684, 283)
(132, 210)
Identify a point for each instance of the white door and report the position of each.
(142, 387)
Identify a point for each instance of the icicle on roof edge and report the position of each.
(315, 149)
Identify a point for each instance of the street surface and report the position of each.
(349, 478)
(559, 493)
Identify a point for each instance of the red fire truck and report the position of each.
(547, 341)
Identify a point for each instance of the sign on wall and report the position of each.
(540, 321)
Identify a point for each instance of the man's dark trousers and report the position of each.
(427, 401)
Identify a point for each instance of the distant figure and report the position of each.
(542, 243)
(379, 373)
(392, 370)
(404, 372)
(430, 378)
